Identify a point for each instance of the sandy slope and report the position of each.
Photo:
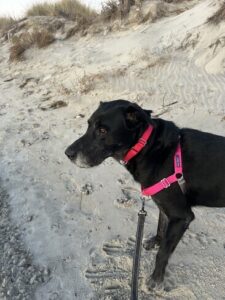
(80, 223)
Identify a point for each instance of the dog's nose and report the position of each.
(69, 153)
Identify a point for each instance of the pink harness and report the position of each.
(177, 176)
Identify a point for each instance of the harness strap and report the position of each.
(163, 184)
(166, 182)
(138, 146)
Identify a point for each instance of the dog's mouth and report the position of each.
(82, 162)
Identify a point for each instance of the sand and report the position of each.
(80, 224)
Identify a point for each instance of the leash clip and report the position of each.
(142, 210)
(123, 162)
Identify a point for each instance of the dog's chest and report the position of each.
(160, 204)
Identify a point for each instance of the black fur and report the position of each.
(116, 126)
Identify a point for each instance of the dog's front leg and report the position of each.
(175, 230)
(153, 241)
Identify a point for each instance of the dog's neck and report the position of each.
(147, 167)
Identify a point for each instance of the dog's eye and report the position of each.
(102, 131)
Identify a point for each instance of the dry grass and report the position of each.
(89, 82)
(115, 9)
(42, 38)
(85, 84)
(69, 9)
(42, 9)
(39, 38)
(175, 1)
(20, 45)
(219, 16)
(17, 52)
(6, 23)
(111, 10)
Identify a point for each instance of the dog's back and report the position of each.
(204, 167)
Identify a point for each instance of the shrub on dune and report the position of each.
(6, 23)
(69, 9)
(39, 38)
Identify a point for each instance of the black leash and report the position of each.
(136, 259)
(138, 245)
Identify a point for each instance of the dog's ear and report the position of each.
(134, 116)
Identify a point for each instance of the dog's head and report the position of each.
(112, 129)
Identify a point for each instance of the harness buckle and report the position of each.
(182, 183)
(165, 183)
(142, 141)
(142, 211)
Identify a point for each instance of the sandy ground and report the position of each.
(80, 224)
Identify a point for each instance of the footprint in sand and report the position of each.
(111, 274)
(116, 248)
(111, 277)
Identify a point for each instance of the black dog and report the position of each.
(116, 126)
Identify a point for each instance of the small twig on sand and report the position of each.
(165, 110)
(164, 100)
(161, 113)
(81, 198)
(172, 103)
